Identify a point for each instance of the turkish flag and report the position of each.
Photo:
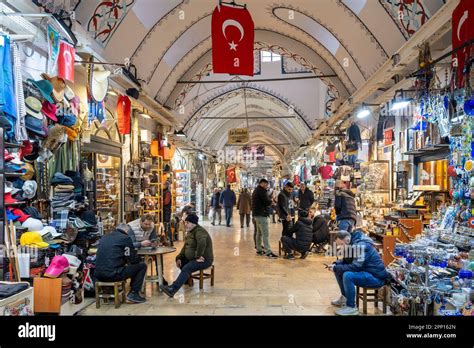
(231, 178)
(232, 41)
(66, 58)
(462, 31)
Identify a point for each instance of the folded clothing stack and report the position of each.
(63, 199)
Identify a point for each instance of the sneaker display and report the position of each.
(272, 256)
(340, 302)
(135, 298)
(346, 311)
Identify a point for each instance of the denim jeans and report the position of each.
(349, 280)
(188, 268)
(217, 212)
(346, 225)
(228, 215)
(262, 234)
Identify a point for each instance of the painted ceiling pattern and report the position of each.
(169, 41)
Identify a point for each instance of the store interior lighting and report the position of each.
(363, 112)
(179, 133)
(401, 103)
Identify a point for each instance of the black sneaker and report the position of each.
(272, 256)
(289, 257)
(213, 224)
(260, 253)
(168, 290)
(242, 226)
(165, 282)
(135, 298)
(304, 255)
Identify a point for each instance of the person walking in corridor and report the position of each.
(305, 197)
(260, 207)
(244, 204)
(227, 200)
(285, 201)
(215, 205)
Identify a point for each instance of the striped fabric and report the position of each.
(20, 129)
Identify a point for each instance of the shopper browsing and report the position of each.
(227, 200)
(260, 204)
(244, 204)
(345, 206)
(215, 205)
(320, 230)
(142, 232)
(117, 260)
(305, 197)
(284, 208)
(362, 266)
(195, 255)
(303, 231)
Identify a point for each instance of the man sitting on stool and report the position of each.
(117, 260)
(142, 232)
(303, 230)
(195, 255)
(361, 266)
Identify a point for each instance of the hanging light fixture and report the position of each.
(179, 133)
(364, 111)
(400, 103)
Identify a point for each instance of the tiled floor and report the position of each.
(245, 284)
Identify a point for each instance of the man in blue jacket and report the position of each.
(361, 266)
(228, 200)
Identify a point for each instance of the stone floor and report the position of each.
(245, 284)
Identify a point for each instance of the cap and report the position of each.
(33, 239)
(58, 266)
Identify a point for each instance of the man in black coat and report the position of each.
(320, 229)
(346, 211)
(305, 197)
(117, 260)
(284, 208)
(303, 230)
(261, 203)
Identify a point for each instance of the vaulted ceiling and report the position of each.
(170, 44)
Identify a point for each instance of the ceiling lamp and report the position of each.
(364, 111)
(179, 133)
(400, 103)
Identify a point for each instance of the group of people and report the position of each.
(117, 258)
(361, 264)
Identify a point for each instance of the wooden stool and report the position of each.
(280, 248)
(367, 297)
(118, 295)
(201, 276)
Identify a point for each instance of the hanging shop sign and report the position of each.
(462, 32)
(232, 41)
(238, 136)
(253, 152)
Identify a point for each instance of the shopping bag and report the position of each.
(211, 213)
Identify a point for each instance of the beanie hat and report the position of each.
(192, 218)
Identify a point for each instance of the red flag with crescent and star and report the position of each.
(232, 41)
(462, 31)
(67, 53)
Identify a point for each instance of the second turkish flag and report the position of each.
(66, 57)
(232, 41)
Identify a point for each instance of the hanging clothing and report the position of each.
(354, 133)
(20, 128)
(123, 114)
(7, 92)
(326, 172)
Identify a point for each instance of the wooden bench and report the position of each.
(118, 294)
(372, 296)
(201, 276)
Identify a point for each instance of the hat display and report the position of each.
(44, 87)
(74, 262)
(9, 188)
(51, 230)
(89, 217)
(8, 199)
(29, 171)
(60, 178)
(69, 235)
(33, 224)
(33, 107)
(33, 239)
(22, 215)
(69, 93)
(193, 218)
(98, 81)
(29, 189)
(33, 212)
(35, 125)
(67, 120)
(30, 151)
(58, 266)
(56, 137)
(75, 105)
(49, 110)
(59, 87)
(11, 215)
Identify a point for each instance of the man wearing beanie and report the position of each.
(195, 255)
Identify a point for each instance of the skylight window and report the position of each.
(270, 56)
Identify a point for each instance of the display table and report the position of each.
(157, 255)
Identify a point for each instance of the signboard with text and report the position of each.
(238, 136)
